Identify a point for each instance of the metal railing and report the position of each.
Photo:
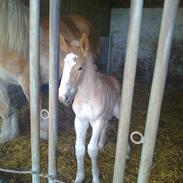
(35, 87)
(34, 64)
(160, 72)
(157, 90)
(54, 22)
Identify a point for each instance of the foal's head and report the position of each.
(73, 68)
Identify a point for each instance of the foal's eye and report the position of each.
(80, 68)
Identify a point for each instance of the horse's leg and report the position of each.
(117, 115)
(43, 121)
(9, 126)
(24, 82)
(93, 147)
(81, 129)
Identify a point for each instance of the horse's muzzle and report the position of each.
(65, 100)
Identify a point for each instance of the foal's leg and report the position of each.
(102, 139)
(9, 126)
(81, 129)
(93, 147)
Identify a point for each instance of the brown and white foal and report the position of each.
(96, 100)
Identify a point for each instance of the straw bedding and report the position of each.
(168, 156)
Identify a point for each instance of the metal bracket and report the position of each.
(141, 141)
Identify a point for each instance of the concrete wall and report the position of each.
(148, 44)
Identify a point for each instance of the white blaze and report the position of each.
(69, 62)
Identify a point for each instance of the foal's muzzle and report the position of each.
(66, 99)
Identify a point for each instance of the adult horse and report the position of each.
(14, 48)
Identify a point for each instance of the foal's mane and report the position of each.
(14, 26)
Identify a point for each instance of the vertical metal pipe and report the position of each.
(34, 87)
(128, 87)
(109, 55)
(158, 84)
(54, 24)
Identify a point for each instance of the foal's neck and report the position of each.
(88, 82)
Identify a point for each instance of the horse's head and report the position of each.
(73, 67)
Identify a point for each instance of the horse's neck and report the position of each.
(87, 86)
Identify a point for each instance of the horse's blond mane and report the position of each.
(14, 26)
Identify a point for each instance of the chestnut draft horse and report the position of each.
(14, 48)
(96, 100)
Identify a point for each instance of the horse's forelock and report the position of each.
(71, 58)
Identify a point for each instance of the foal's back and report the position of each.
(110, 84)
(109, 89)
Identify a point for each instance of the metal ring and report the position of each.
(135, 141)
(44, 114)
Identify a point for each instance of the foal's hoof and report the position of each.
(80, 178)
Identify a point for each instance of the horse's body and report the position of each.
(96, 100)
(14, 64)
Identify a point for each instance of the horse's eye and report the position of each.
(80, 68)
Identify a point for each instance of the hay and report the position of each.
(168, 156)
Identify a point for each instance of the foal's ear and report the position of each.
(84, 44)
(64, 44)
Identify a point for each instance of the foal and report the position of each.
(97, 99)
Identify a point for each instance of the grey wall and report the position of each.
(148, 44)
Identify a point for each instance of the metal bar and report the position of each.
(109, 55)
(54, 24)
(127, 90)
(158, 84)
(34, 87)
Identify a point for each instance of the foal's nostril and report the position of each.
(66, 98)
